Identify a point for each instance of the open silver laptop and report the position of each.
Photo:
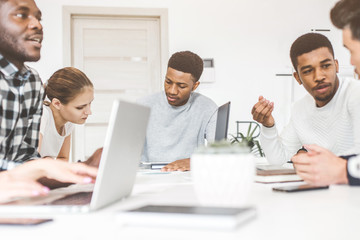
(222, 122)
(119, 163)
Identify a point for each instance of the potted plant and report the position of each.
(249, 139)
(222, 173)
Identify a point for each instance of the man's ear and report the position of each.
(196, 84)
(337, 65)
(56, 103)
(296, 76)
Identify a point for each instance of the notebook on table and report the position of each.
(276, 174)
(119, 163)
(193, 217)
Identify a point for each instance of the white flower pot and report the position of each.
(222, 179)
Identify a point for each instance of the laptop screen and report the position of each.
(222, 122)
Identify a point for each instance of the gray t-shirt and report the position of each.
(174, 133)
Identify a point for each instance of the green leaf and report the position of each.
(249, 128)
(259, 148)
(252, 133)
(242, 136)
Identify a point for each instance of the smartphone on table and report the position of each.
(299, 188)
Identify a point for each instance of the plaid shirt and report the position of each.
(21, 97)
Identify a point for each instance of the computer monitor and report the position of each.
(222, 122)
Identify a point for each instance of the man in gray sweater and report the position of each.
(180, 119)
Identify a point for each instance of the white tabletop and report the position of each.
(322, 214)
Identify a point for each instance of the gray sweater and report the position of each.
(174, 133)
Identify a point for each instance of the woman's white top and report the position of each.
(52, 141)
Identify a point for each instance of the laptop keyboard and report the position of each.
(81, 198)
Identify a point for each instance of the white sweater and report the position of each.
(335, 126)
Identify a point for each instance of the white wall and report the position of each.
(249, 41)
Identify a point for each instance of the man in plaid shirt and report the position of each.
(21, 96)
(21, 91)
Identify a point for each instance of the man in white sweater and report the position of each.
(321, 166)
(328, 116)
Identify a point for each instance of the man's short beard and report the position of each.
(11, 49)
(325, 98)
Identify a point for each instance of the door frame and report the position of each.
(160, 13)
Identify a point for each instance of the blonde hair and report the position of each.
(65, 84)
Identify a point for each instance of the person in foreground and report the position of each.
(21, 181)
(321, 166)
(328, 116)
(180, 118)
(21, 90)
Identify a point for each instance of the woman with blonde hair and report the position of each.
(69, 94)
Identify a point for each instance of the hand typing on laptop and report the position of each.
(22, 180)
(178, 165)
(94, 160)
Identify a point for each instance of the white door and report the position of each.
(121, 55)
